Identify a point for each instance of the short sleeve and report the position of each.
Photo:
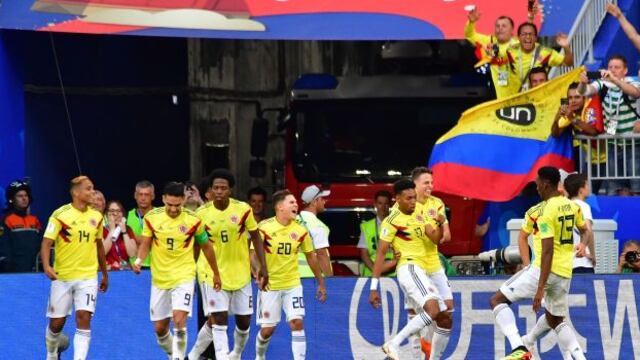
(362, 242)
(529, 222)
(579, 217)
(442, 210)
(251, 223)
(387, 232)
(52, 229)
(320, 238)
(556, 58)
(586, 212)
(307, 245)
(597, 85)
(147, 229)
(201, 236)
(100, 230)
(546, 226)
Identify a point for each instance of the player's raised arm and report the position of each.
(435, 230)
(258, 253)
(312, 260)
(45, 255)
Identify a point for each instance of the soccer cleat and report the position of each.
(531, 346)
(390, 350)
(426, 347)
(63, 344)
(520, 353)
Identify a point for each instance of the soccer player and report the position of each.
(226, 222)
(75, 230)
(283, 238)
(408, 231)
(170, 232)
(556, 219)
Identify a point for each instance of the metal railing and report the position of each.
(582, 33)
(610, 157)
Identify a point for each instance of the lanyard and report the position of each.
(536, 53)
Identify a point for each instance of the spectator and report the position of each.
(577, 189)
(528, 54)
(313, 199)
(628, 28)
(19, 231)
(537, 76)
(369, 237)
(582, 117)
(256, 197)
(494, 47)
(630, 258)
(98, 202)
(192, 199)
(144, 196)
(618, 94)
(483, 223)
(118, 239)
(204, 187)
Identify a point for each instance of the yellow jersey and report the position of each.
(530, 226)
(281, 246)
(406, 234)
(74, 234)
(499, 63)
(523, 62)
(559, 218)
(172, 240)
(227, 230)
(434, 206)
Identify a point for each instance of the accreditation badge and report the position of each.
(503, 77)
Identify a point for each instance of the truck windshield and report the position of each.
(370, 140)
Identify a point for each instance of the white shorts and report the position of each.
(524, 284)
(164, 301)
(271, 304)
(417, 287)
(79, 293)
(238, 302)
(440, 280)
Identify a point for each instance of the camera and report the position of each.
(632, 256)
(507, 255)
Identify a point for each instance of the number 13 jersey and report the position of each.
(172, 240)
(281, 246)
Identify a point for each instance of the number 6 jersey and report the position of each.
(75, 233)
(281, 246)
(172, 240)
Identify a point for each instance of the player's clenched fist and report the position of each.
(374, 298)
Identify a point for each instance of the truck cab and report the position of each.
(358, 135)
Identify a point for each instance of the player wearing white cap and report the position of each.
(313, 199)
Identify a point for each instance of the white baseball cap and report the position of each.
(313, 192)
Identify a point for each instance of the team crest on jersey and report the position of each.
(432, 213)
(93, 222)
(419, 218)
(183, 229)
(293, 236)
(234, 219)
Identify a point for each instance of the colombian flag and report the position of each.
(497, 147)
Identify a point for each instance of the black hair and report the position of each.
(573, 85)
(549, 174)
(204, 185)
(224, 174)
(538, 70)
(573, 183)
(174, 188)
(402, 185)
(279, 196)
(257, 191)
(535, 28)
(416, 172)
(383, 193)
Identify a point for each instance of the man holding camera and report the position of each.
(630, 258)
(618, 94)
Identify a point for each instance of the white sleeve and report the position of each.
(362, 242)
(320, 238)
(586, 211)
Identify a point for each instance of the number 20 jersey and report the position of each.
(227, 231)
(281, 246)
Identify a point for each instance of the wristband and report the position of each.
(374, 284)
(138, 261)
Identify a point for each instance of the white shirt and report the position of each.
(586, 212)
(319, 235)
(362, 242)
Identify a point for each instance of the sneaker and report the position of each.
(520, 353)
(531, 346)
(391, 350)
(63, 344)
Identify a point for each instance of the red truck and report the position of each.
(360, 134)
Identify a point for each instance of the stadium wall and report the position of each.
(603, 310)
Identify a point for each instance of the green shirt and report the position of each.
(135, 222)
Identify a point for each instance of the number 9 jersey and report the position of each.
(559, 218)
(75, 233)
(281, 246)
(172, 261)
